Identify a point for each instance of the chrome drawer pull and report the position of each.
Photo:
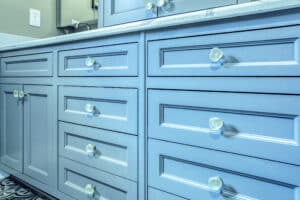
(91, 109)
(217, 58)
(216, 125)
(90, 190)
(92, 63)
(91, 150)
(215, 184)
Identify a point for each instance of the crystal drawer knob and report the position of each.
(16, 93)
(161, 3)
(149, 5)
(90, 62)
(90, 150)
(90, 190)
(89, 108)
(216, 55)
(21, 94)
(216, 125)
(215, 184)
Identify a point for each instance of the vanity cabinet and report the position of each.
(11, 127)
(124, 11)
(27, 129)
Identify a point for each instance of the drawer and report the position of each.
(27, 65)
(109, 151)
(248, 53)
(233, 122)
(107, 108)
(84, 183)
(196, 173)
(154, 194)
(115, 60)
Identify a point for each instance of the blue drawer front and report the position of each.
(114, 152)
(185, 171)
(250, 53)
(265, 122)
(74, 177)
(27, 65)
(114, 60)
(154, 194)
(114, 108)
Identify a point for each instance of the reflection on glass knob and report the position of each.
(215, 184)
(22, 94)
(90, 150)
(216, 54)
(90, 108)
(16, 93)
(216, 125)
(90, 62)
(149, 5)
(90, 190)
(161, 3)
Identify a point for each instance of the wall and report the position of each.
(14, 18)
(81, 11)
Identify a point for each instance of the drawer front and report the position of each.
(115, 60)
(29, 65)
(76, 180)
(190, 172)
(109, 151)
(154, 194)
(249, 53)
(266, 122)
(107, 108)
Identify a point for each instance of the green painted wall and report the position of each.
(14, 18)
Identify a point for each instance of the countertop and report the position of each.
(254, 7)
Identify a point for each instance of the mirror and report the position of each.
(77, 15)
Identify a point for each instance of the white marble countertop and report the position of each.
(254, 7)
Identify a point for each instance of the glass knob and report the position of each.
(215, 184)
(90, 150)
(216, 55)
(216, 125)
(22, 94)
(90, 108)
(90, 62)
(160, 3)
(149, 5)
(90, 190)
(16, 93)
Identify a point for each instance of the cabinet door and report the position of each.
(11, 127)
(124, 11)
(38, 132)
(182, 6)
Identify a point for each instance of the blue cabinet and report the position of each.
(107, 108)
(197, 173)
(123, 11)
(105, 150)
(85, 183)
(38, 132)
(171, 7)
(40, 64)
(11, 127)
